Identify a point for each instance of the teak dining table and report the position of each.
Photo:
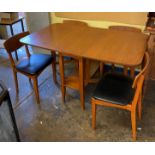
(84, 42)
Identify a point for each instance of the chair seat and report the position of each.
(115, 88)
(35, 64)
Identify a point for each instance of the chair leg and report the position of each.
(140, 107)
(35, 80)
(133, 123)
(93, 115)
(54, 72)
(16, 81)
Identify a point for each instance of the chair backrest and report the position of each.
(12, 44)
(75, 22)
(125, 28)
(139, 80)
(145, 64)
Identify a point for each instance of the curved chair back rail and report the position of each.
(139, 80)
(125, 28)
(146, 62)
(13, 43)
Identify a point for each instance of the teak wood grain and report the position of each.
(120, 47)
(130, 29)
(80, 41)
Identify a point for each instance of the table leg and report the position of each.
(22, 25)
(11, 28)
(81, 82)
(62, 76)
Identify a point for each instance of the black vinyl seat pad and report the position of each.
(34, 64)
(115, 88)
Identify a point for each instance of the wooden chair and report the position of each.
(75, 22)
(32, 65)
(125, 28)
(120, 91)
(121, 28)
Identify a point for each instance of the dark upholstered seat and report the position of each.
(115, 88)
(34, 64)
